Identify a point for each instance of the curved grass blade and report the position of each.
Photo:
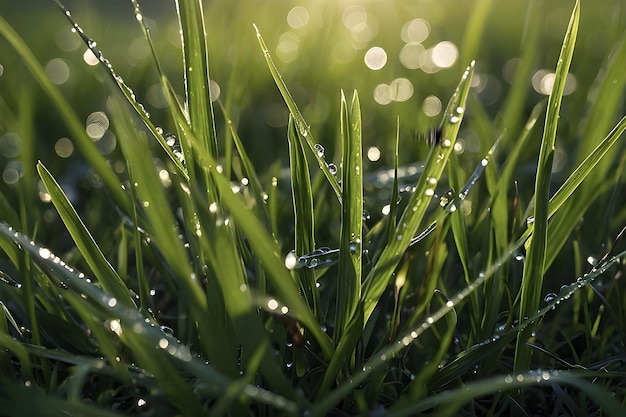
(100, 266)
(303, 127)
(532, 278)
(448, 403)
(381, 273)
(349, 275)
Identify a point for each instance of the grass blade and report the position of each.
(88, 247)
(532, 278)
(350, 253)
(303, 127)
(197, 88)
(302, 196)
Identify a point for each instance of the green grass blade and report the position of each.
(304, 225)
(303, 127)
(393, 203)
(532, 278)
(350, 252)
(381, 273)
(195, 53)
(68, 115)
(100, 266)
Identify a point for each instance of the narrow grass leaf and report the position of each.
(100, 266)
(304, 221)
(381, 273)
(303, 127)
(350, 252)
(197, 80)
(532, 278)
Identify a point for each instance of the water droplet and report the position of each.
(63, 285)
(167, 330)
(170, 139)
(291, 260)
(319, 149)
(332, 168)
(549, 297)
(446, 198)
(45, 253)
(455, 119)
(529, 221)
(354, 245)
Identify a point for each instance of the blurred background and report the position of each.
(404, 57)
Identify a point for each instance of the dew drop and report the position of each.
(354, 245)
(167, 330)
(319, 149)
(549, 297)
(45, 253)
(332, 168)
(455, 119)
(291, 260)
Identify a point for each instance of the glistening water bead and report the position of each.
(319, 149)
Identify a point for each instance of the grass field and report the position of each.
(312, 208)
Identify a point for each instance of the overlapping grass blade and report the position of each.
(532, 279)
(381, 273)
(159, 353)
(107, 276)
(126, 90)
(303, 127)
(350, 253)
(262, 244)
